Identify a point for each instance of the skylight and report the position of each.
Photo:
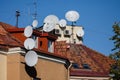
(86, 66)
(75, 65)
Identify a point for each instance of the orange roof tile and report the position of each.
(81, 54)
(7, 26)
(75, 52)
(6, 39)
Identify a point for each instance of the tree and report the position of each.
(115, 68)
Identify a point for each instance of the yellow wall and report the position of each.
(44, 69)
(3, 67)
(51, 70)
(13, 67)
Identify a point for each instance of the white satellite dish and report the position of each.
(28, 31)
(80, 33)
(31, 58)
(48, 27)
(35, 23)
(51, 19)
(72, 16)
(62, 23)
(29, 43)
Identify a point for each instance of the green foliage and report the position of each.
(116, 37)
(115, 68)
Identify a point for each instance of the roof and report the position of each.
(7, 40)
(77, 53)
(81, 54)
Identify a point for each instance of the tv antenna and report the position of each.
(31, 58)
(80, 33)
(28, 31)
(35, 21)
(35, 9)
(29, 43)
(62, 23)
(51, 19)
(72, 16)
(50, 22)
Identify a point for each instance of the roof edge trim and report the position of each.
(52, 59)
(13, 50)
(77, 78)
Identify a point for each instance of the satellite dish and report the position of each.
(51, 19)
(48, 27)
(80, 33)
(31, 58)
(29, 43)
(72, 16)
(28, 31)
(35, 23)
(62, 23)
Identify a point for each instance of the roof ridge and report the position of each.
(6, 26)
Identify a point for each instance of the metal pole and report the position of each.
(17, 15)
(72, 33)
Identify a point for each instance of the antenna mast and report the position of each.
(35, 9)
(17, 15)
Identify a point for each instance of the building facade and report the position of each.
(70, 34)
(60, 56)
(12, 58)
(86, 64)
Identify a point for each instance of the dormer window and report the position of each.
(86, 66)
(75, 66)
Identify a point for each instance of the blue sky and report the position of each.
(96, 16)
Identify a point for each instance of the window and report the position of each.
(50, 46)
(86, 66)
(57, 31)
(35, 38)
(40, 43)
(75, 65)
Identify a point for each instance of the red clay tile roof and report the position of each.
(75, 52)
(7, 39)
(7, 26)
(81, 54)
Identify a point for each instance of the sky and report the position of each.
(96, 17)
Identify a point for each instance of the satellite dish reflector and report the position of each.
(48, 27)
(29, 43)
(72, 16)
(31, 58)
(62, 23)
(51, 19)
(80, 33)
(28, 31)
(35, 23)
